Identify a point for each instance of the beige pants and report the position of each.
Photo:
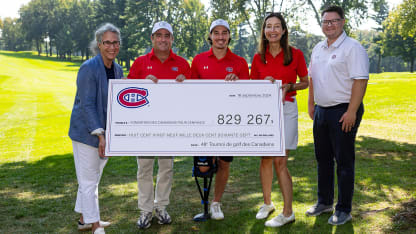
(147, 200)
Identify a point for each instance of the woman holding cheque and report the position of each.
(277, 60)
(88, 120)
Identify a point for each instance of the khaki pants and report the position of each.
(147, 200)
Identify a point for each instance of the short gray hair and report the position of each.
(107, 27)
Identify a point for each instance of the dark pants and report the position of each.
(332, 143)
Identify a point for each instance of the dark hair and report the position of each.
(284, 40)
(210, 40)
(333, 8)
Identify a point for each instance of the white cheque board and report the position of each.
(194, 118)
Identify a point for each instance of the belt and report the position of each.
(342, 105)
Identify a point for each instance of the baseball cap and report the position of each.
(219, 22)
(160, 25)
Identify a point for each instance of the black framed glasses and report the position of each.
(330, 22)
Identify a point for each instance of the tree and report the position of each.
(355, 11)
(55, 19)
(112, 11)
(303, 41)
(407, 18)
(229, 11)
(83, 29)
(396, 40)
(192, 30)
(12, 35)
(34, 20)
(244, 46)
(382, 11)
(256, 8)
(139, 20)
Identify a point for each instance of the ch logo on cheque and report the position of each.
(133, 97)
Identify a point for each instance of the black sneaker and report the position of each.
(144, 220)
(162, 216)
(318, 209)
(339, 218)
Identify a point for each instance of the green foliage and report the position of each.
(83, 29)
(355, 11)
(12, 36)
(396, 40)
(66, 27)
(38, 183)
(191, 33)
(303, 41)
(34, 21)
(407, 18)
(382, 11)
(371, 41)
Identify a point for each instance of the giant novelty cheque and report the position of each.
(194, 118)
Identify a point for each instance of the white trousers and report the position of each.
(89, 168)
(146, 197)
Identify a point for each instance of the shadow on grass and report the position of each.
(39, 196)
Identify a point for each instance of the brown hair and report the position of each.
(284, 40)
(336, 9)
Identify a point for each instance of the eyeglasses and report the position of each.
(330, 22)
(109, 43)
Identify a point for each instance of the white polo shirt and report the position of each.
(334, 68)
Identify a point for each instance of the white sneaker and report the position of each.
(265, 211)
(216, 212)
(88, 226)
(99, 230)
(280, 220)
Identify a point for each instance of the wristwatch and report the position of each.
(291, 87)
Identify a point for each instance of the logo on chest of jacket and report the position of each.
(133, 97)
(229, 69)
(175, 69)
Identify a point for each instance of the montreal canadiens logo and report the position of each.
(133, 97)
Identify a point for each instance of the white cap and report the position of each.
(219, 22)
(160, 25)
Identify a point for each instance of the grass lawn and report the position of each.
(38, 183)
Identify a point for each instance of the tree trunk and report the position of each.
(38, 47)
(412, 62)
(50, 48)
(46, 48)
(379, 63)
(128, 64)
(317, 16)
